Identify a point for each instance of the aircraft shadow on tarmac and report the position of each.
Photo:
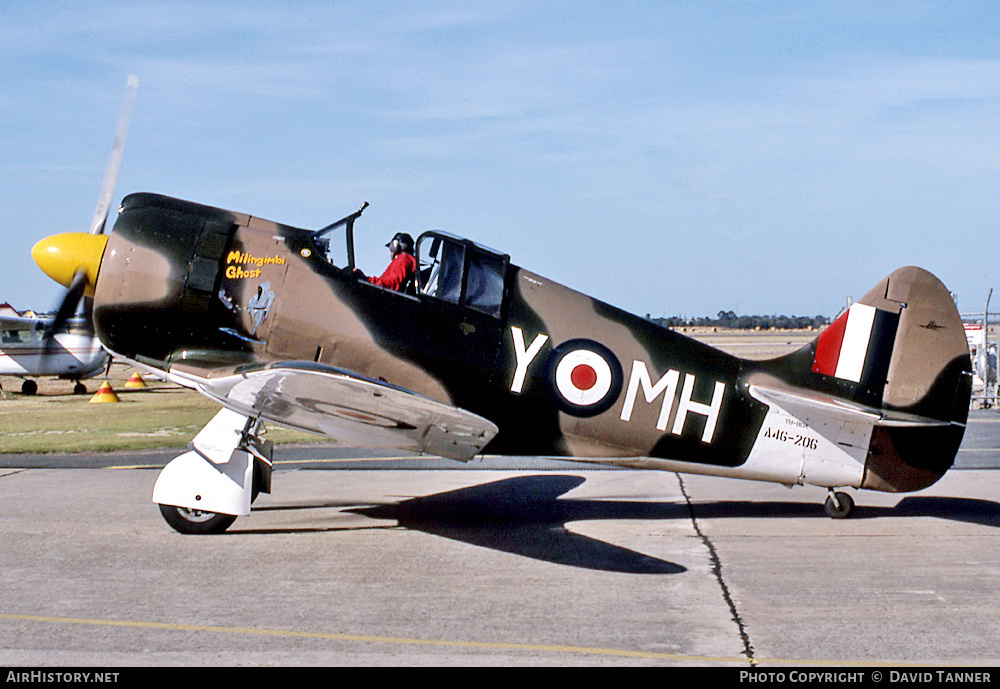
(526, 515)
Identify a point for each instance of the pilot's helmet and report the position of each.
(401, 242)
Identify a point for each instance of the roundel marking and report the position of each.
(585, 376)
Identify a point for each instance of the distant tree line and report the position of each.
(728, 319)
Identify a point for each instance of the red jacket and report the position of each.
(398, 271)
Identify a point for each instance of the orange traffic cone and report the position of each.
(104, 394)
(135, 382)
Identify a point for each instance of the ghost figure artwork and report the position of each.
(260, 305)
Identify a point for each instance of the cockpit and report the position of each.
(450, 269)
(462, 272)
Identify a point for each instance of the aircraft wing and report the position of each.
(343, 405)
(18, 322)
(801, 402)
(35, 323)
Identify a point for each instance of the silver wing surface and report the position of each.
(345, 406)
(19, 322)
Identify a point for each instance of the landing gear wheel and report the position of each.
(79, 388)
(29, 387)
(196, 522)
(839, 505)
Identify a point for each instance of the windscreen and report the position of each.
(331, 242)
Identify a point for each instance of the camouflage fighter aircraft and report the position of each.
(480, 355)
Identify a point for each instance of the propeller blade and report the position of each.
(114, 164)
(67, 309)
(88, 314)
(73, 259)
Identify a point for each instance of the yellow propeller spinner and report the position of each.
(62, 256)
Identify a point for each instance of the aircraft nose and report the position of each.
(62, 256)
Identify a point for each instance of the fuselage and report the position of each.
(560, 373)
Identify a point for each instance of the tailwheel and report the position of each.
(839, 505)
(196, 522)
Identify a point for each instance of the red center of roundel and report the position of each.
(583, 377)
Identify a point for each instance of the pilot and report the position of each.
(402, 266)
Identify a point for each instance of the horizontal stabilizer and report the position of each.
(802, 402)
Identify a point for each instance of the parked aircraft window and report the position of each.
(484, 286)
(13, 336)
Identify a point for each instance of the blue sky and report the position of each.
(671, 158)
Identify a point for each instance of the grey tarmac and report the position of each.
(495, 566)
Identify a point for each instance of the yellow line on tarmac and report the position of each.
(482, 645)
(355, 638)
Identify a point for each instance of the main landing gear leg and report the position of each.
(203, 490)
(839, 505)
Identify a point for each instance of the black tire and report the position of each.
(79, 388)
(839, 505)
(195, 522)
(29, 387)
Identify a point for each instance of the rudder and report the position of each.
(929, 375)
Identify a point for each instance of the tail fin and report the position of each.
(903, 344)
(899, 355)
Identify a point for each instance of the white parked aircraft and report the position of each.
(27, 351)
